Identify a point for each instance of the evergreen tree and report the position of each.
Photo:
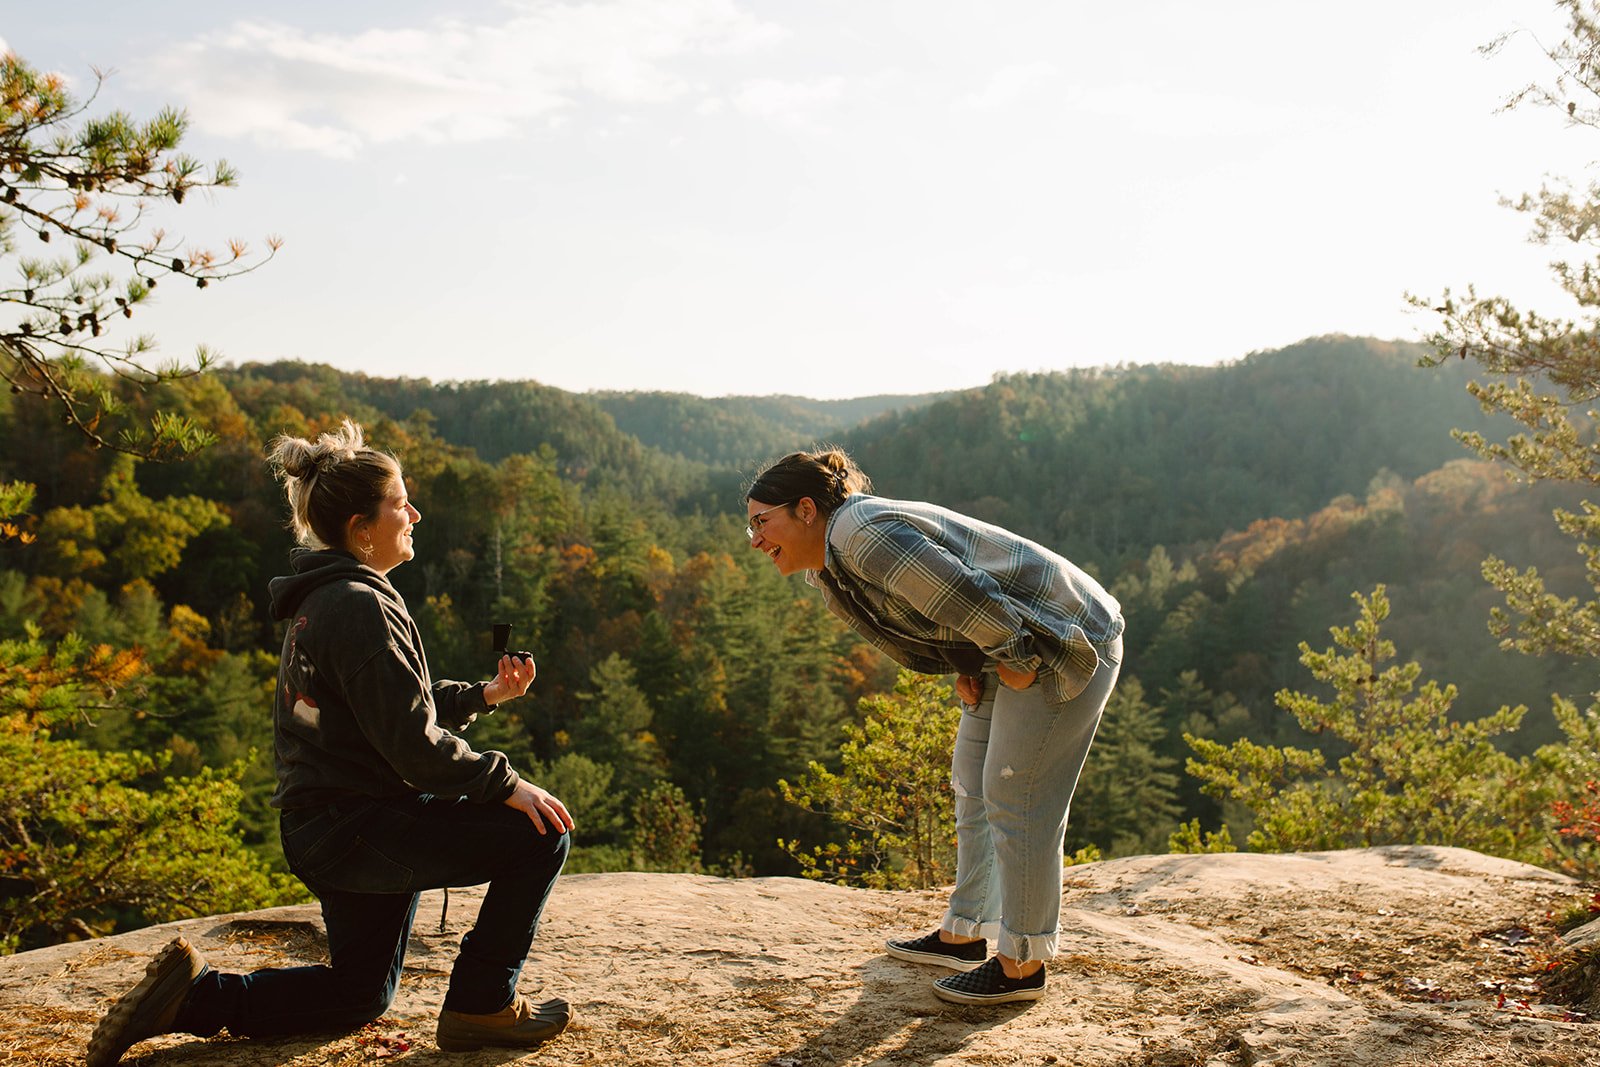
(1409, 775)
(83, 186)
(599, 838)
(891, 795)
(1545, 370)
(15, 499)
(1126, 801)
(1529, 354)
(614, 726)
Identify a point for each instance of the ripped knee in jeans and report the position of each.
(961, 790)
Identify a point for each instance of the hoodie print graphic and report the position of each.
(298, 675)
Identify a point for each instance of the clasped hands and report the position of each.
(969, 687)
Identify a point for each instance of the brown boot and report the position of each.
(150, 1007)
(520, 1024)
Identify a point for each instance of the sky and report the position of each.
(828, 198)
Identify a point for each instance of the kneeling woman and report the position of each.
(378, 799)
(1036, 644)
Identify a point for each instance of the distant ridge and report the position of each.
(743, 431)
(1108, 462)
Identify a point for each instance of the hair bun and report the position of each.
(295, 456)
(330, 480)
(827, 476)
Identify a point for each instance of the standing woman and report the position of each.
(378, 797)
(1036, 644)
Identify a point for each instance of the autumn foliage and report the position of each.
(92, 839)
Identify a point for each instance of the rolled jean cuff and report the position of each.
(1025, 947)
(962, 927)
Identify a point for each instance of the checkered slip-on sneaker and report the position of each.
(929, 949)
(989, 985)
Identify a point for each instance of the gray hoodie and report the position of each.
(356, 712)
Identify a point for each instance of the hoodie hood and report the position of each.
(315, 568)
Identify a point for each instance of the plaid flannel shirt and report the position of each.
(940, 592)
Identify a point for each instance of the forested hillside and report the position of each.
(495, 420)
(1232, 509)
(1107, 463)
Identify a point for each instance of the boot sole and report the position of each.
(458, 1042)
(473, 1044)
(137, 1014)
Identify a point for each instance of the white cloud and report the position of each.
(1010, 84)
(798, 103)
(447, 80)
(1172, 111)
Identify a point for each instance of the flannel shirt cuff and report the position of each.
(1018, 655)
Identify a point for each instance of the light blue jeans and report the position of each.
(1016, 764)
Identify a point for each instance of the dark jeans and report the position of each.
(366, 860)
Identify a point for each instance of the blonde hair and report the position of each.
(827, 476)
(331, 480)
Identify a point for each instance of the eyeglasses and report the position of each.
(755, 527)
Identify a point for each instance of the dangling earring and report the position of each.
(366, 547)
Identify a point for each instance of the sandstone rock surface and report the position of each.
(1388, 956)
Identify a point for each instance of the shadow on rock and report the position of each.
(273, 1052)
(896, 1020)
